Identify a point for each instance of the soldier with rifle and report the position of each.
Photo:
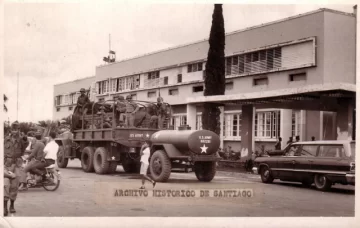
(82, 101)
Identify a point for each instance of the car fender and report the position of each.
(170, 150)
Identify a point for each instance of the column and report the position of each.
(191, 116)
(247, 130)
(285, 126)
(221, 127)
(345, 119)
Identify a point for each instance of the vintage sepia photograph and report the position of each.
(121, 109)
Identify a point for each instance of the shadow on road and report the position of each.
(334, 189)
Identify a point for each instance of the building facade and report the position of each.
(66, 95)
(311, 49)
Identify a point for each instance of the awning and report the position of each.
(305, 93)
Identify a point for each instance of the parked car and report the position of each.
(323, 163)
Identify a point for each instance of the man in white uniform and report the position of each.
(50, 152)
(145, 155)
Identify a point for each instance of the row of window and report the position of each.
(66, 99)
(255, 62)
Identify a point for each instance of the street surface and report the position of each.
(89, 194)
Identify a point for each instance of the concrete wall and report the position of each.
(340, 51)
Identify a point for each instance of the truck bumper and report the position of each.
(255, 170)
(350, 178)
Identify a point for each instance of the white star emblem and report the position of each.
(113, 158)
(147, 135)
(203, 149)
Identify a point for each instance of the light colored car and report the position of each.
(323, 163)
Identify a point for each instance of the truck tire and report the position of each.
(160, 166)
(322, 183)
(62, 162)
(205, 171)
(87, 159)
(112, 167)
(101, 164)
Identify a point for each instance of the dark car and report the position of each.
(323, 163)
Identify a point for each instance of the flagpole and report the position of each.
(17, 98)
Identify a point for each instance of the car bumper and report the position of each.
(255, 170)
(350, 178)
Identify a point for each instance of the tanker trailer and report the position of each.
(198, 147)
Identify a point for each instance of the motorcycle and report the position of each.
(52, 181)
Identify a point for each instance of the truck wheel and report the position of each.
(266, 176)
(62, 162)
(160, 166)
(205, 171)
(101, 165)
(87, 159)
(322, 183)
(112, 167)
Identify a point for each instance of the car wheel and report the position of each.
(321, 182)
(160, 166)
(266, 176)
(87, 159)
(101, 165)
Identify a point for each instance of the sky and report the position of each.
(51, 43)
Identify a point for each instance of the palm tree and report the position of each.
(5, 99)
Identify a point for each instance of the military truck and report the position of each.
(102, 147)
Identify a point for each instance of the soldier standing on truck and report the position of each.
(83, 100)
(131, 109)
(121, 109)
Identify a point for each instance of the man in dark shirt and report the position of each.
(14, 148)
(83, 100)
(37, 154)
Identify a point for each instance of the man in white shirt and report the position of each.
(145, 155)
(50, 152)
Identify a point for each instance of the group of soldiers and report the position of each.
(125, 110)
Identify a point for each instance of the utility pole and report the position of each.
(17, 98)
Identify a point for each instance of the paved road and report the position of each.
(89, 194)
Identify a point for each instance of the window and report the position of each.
(296, 123)
(307, 151)
(331, 151)
(151, 94)
(297, 77)
(198, 121)
(58, 100)
(58, 109)
(195, 67)
(166, 80)
(292, 150)
(173, 92)
(267, 124)
(198, 89)
(153, 75)
(229, 85)
(254, 62)
(232, 125)
(103, 87)
(179, 78)
(127, 83)
(178, 120)
(260, 81)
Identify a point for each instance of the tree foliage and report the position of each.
(215, 70)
